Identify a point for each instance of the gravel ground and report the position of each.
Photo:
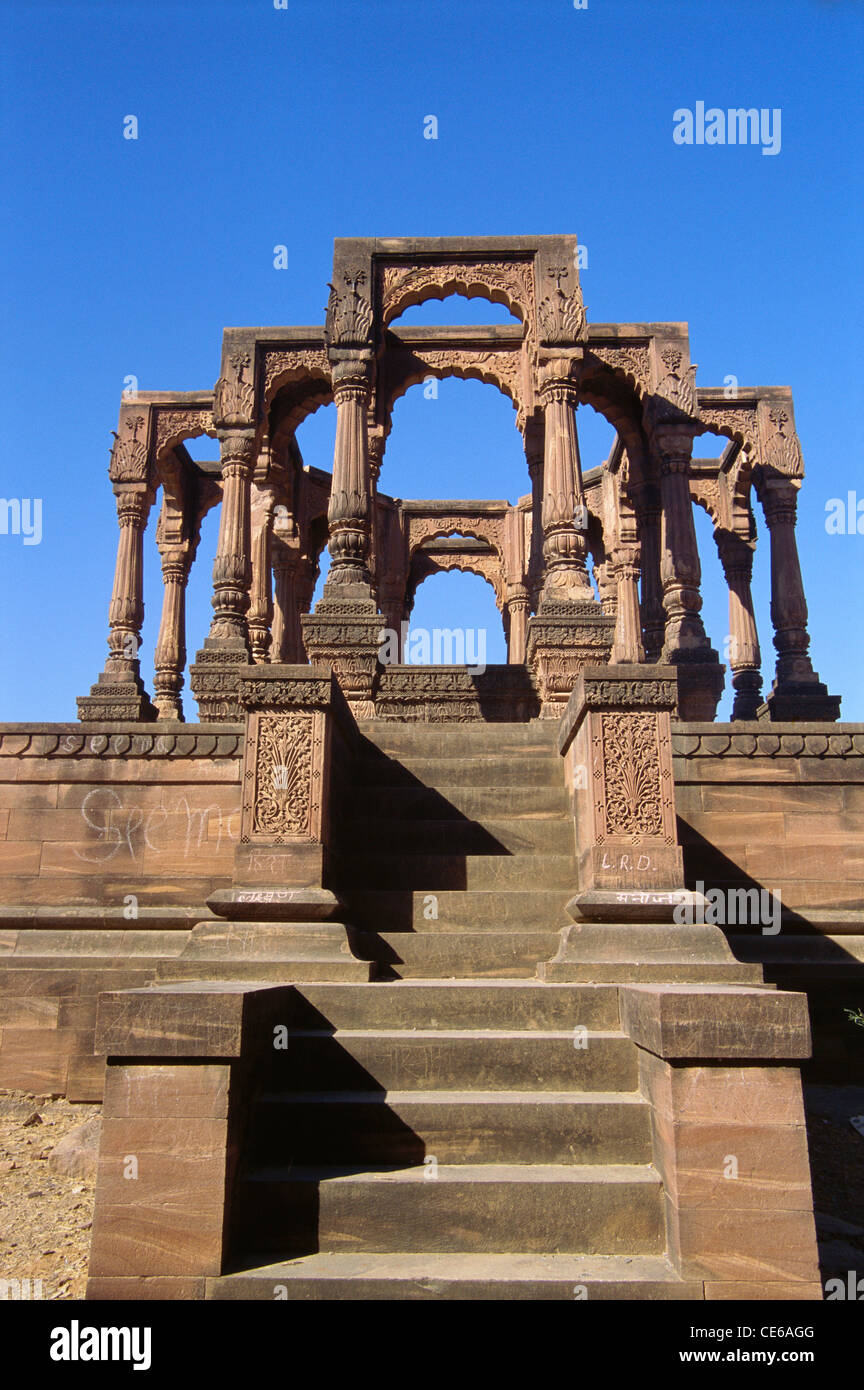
(45, 1217)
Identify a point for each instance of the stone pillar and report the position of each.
(569, 629)
(375, 443)
(736, 557)
(518, 611)
(685, 643)
(565, 546)
(261, 601)
(534, 449)
(119, 693)
(627, 647)
(349, 513)
(344, 630)
(797, 692)
(652, 614)
(170, 655)
(214, 676)
(286, 640)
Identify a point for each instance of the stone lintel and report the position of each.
(716, 1022)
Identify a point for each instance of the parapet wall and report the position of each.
(778, 806)
(89, 817)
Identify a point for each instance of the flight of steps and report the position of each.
(463, 1139)
(462, 849)
(455, 1128)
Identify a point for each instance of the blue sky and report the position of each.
(261, 127)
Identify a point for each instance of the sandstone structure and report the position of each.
(404, 981)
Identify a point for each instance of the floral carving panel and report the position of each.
(282, 790)
(631, 774)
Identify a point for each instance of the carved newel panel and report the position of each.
(616, 739)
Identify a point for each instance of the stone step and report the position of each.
(280, 971)
(442, 955)
(462, 1127)
(546, 835)
(504, 1004)
(474, 802)
(511, 909)
(455, 871)
(268, 940)
(458, 1059)
(496, 769)
(791, 948)
(541, 1209)
(643, 973)
(460, 740)
(469, 1277)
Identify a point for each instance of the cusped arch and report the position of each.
(402, 287)
(426, 564)
(423, 529)
(291, 407)
(443, 365)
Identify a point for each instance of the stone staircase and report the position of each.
(455, 1128)
(463, 853)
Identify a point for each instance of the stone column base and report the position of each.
(790, 701)
(346, 636)
(562, 639)
(215, 679)
(117, 696)
(701, 681)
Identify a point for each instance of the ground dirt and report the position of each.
(45, 1217)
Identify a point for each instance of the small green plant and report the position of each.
(856, 1015)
